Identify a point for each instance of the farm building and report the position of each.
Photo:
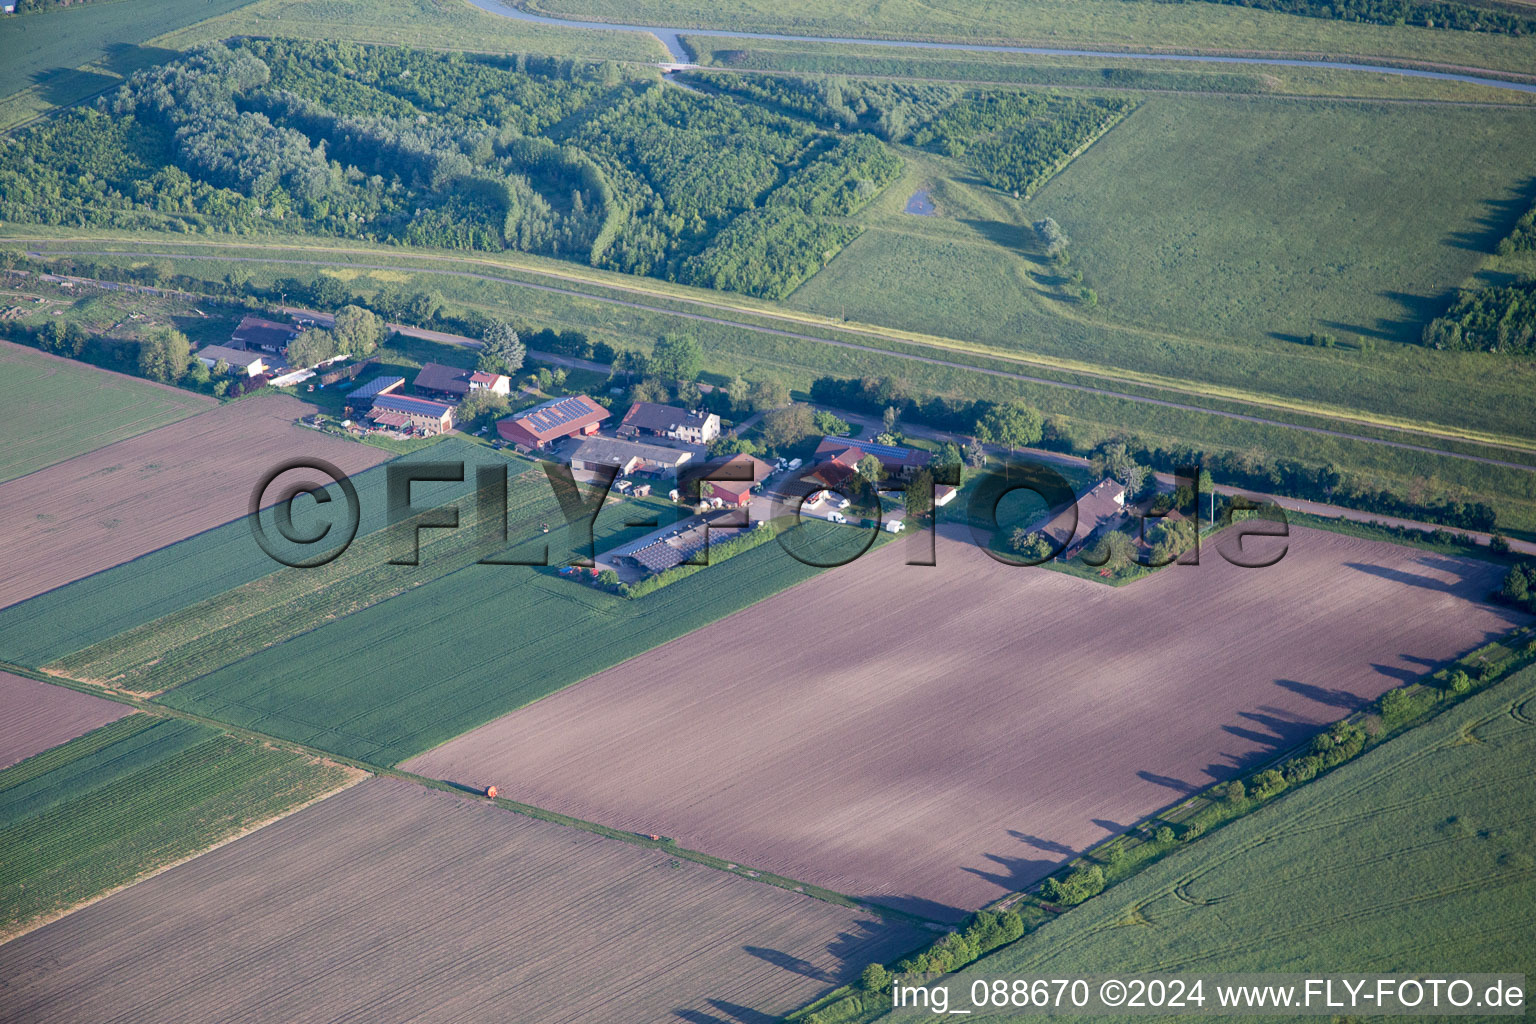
(628, 457)
(360, 400)
(1099, 510)
(669, 421)
(400, 412)
(550, 421)
(731, 480)
(239, 360)
(943, 494)
(453, 383)
(839, 454)
(263, 335)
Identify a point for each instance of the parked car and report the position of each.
(794, 464)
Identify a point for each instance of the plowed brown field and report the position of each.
(127, 499)
(35, 716)
(933, 738)
(389, 902)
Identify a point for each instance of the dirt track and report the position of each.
(122, 501)
(35, 716)
(935, 737)
(436, 908)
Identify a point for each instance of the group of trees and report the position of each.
(1423, 13)
(579, 161)
(891, 110)
(356, 332)
(1499, 318)
(1016, 140)
(1519, 588)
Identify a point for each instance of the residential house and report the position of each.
(452, 383)
(839, 455)
(669, 421)
(262, 335)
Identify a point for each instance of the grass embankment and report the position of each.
(1108, 24)
(1085, 72)
(121, 801)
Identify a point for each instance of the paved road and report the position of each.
(872, 349)
(670, 38)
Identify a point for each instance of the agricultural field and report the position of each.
(123, 501)
(1414, 857)
(226, 632)
(604, 930)
(1010, 716)
(1107, 24)
(102, 810)
(63, 408)
(35, 716)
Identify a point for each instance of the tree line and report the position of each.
(1288, 477)
(1422, 13)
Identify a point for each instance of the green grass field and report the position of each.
(44, 55)
(1066, 23)
(105, 808)
(1417, 857)
(62, 408)
(1251, 219)
(1340, 226)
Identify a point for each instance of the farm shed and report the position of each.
(362, 399)
(628, 456)
(669, 421)
(731, 480)
(550, 421)
(248, 363)
(846, 452)
(257, 333)
(401, 411)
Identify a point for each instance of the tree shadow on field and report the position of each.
(1177, 785)
(789, 962)
(1000, 233)
(1342, 699)
(1496, 220)
(1411, 579)
(1018, 872)
(1048, 845)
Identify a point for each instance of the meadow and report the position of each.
(104, 809)
(62, 408)
(65, 54)
(1340, 225)
(1415, 856)
(1109, 24)
(1262, 219)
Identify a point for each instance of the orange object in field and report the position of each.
(490, 791)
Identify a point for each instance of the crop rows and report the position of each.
(132, 796)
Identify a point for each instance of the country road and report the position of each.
(671, 38)
(855, 346)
